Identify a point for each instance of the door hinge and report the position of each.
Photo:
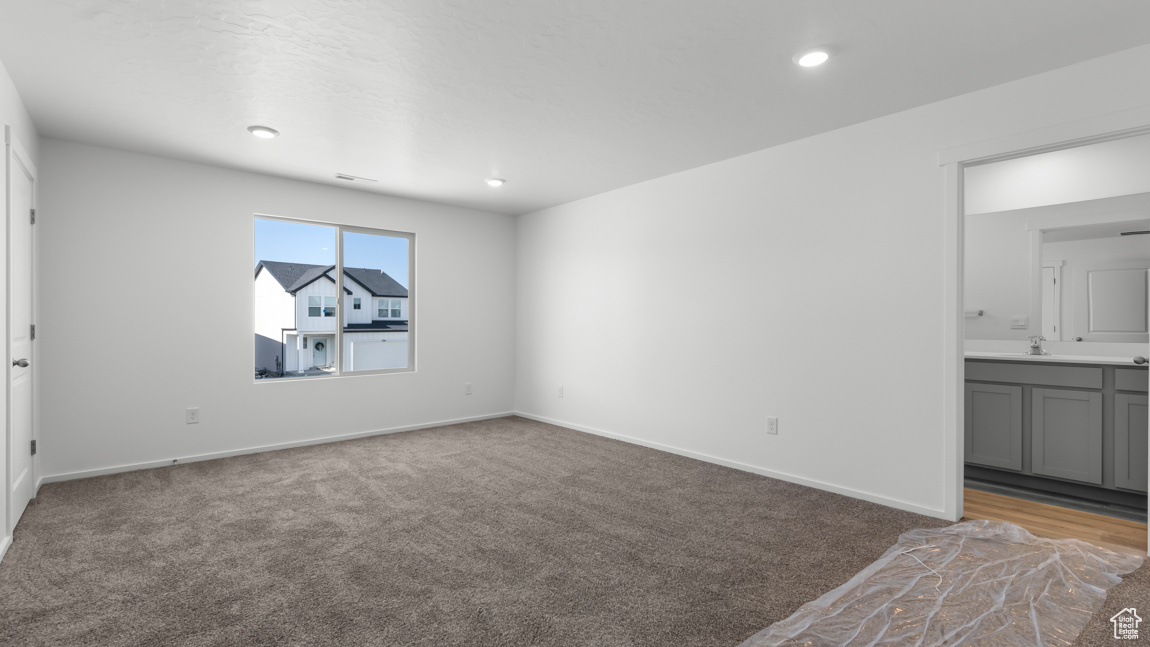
(33, 448)
(33, 332)
(33, 216)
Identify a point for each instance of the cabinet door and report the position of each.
(1130, 441)
(994, 425)
(1066, 434)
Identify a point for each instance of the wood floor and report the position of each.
(1057, 523)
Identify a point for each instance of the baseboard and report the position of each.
(262, 448)
(4, 544)
(782, 476)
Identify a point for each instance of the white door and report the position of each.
(21, 178)
(1051, 304)
(319, 352)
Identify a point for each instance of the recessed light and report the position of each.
(263, 131)
(495, 181)
(812, 58)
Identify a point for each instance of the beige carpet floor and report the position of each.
(501, 532)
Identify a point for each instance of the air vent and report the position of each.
(352, 178)
(1136, 233)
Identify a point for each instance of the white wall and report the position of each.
(997, 272)
(804, 281)
(183, 233)
(274, 311)
(14, 115)
(319, 288)
(1118, 167)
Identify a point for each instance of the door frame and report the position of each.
(15, 153)
(953, 161)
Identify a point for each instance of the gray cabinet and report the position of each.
(1066, 434)
(1081, 431)
(1130, 441)
(993, 433)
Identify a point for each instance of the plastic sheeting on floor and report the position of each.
(973, 583)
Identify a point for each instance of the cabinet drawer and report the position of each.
(1130, 379)
(1080, 377)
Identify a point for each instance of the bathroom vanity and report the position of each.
(1071, 426)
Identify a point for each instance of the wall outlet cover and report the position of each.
(1019, 321)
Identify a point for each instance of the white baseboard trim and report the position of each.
(782, 476)
(4, 544)
(262, 448)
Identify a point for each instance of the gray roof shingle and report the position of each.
(295, 276)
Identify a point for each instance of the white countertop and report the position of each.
(1052, 359)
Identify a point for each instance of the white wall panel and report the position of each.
(112, 213)
(819, 267)
(319, 288)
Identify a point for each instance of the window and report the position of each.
(304, 279)
(390, 309)
(320, 306)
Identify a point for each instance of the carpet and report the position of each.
(499, 532)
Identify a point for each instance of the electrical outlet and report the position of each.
(467, 389)
(1019, 321)
(772, 425)
(193, 415)
(560, 391)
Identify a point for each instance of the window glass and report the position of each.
(301, 285)
(380, 262)
(294, 299)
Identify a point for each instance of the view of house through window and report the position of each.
(298, 285)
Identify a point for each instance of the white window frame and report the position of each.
(338, 359)
(323, 300)
(380, 307)
(355, 303)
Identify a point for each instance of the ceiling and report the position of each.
(564, 98)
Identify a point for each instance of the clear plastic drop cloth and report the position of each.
(985, 583)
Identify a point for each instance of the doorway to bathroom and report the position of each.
(1053, 269)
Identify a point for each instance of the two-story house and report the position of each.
(295, 318)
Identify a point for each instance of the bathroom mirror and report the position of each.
(1068, 272)
(1051, 244)
(1093, 282)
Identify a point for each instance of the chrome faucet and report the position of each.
(1036, 345)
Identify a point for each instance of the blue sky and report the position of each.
(295, 242)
